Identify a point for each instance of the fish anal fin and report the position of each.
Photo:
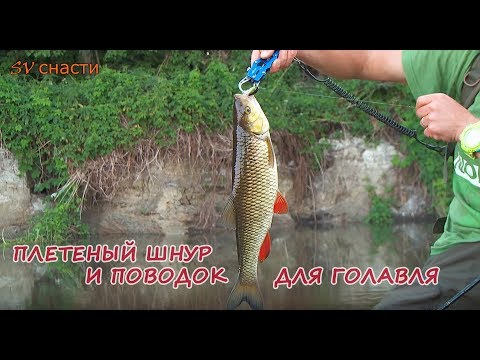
(265, 248)
(280, 206)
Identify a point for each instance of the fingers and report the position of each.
(423, 108)
(423, 111)
(424, 104)
(428, 132)
(442, 117)
(423, 100)
(433, 131)
(424, 121)
(290, 56)
(264, 54)
(255, 55)
(285, 58)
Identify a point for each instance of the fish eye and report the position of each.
(248, 110)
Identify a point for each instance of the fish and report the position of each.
(254, 198)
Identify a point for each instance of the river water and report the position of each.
(59, 285)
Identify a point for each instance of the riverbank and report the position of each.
(170, 196)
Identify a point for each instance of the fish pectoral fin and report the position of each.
(228, 215)
(271, 154)
(280, 206)
(265, 248)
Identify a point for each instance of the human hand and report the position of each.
(442, 117)
(285, 58)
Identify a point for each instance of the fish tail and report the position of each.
(245, 292)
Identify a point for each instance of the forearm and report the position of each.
(381, 65)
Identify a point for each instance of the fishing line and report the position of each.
(362, 105)
(336, 97)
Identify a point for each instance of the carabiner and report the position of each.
(251, 90)
(257, 72)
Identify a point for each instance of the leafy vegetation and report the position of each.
(55, 123)
(380, 209)
(431, 166)
(58, 224)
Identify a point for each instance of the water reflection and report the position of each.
(61, 285)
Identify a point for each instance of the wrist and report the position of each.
(304, 56)
(313, 58)
(468, 121)
(300, 54)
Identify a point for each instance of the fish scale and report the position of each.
(255, 196)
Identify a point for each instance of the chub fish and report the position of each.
(254, 199)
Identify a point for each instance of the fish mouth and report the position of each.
(240, 96)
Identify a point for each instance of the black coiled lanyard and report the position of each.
(369, 110)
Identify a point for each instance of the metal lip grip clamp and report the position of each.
(256, 73)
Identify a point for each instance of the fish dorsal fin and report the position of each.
(228, 215)
(280, 206)
(271, 154)
(265, 249)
